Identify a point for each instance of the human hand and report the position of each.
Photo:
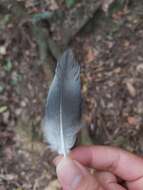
(111, 164)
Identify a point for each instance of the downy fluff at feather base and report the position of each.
(62, 119)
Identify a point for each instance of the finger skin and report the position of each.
(136, 184)
(91, 183)
(74, 176)
(121, 163)
(108, 181)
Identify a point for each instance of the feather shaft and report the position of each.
(61, 131)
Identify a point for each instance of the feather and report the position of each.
(63, 108)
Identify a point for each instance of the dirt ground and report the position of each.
(110, 51)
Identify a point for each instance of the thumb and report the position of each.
(73, 176)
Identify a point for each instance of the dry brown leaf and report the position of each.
(132, 120)
(29, 3)
(3, 50)
(126, 43)
(90, 55)
(140, 67)
(9, 153)
(131, 89)
(52, 4)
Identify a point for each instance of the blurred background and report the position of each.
(107, 39)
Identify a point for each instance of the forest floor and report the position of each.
(109, 49)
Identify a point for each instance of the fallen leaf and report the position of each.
(90, 55)
(131, 89)
(29, 3)
(117, 70)
(52, 5)
(2, 50)
(126, 43)
(8, 152)
(8, 65)
(8, 177)
(3, 109)
(132, 120)
(140, 67)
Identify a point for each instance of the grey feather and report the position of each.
(63, 109)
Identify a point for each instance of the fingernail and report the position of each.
(69, 173)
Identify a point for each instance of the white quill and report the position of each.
(63, 109)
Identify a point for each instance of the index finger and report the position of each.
(121, 163)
